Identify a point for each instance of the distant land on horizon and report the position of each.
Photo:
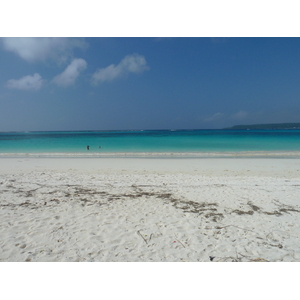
(267, 126)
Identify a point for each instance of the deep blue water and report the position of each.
(150, 141)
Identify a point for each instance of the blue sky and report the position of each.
(147, 83)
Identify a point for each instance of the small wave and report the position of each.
(244, 154)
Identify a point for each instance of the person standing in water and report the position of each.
(88, 147)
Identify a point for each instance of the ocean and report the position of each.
(149, 142)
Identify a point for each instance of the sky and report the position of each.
(127, 83)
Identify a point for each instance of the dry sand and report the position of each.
(148, 209)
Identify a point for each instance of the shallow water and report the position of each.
(159, 141)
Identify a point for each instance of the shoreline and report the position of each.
(227, 154)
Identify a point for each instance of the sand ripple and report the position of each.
(68, 216)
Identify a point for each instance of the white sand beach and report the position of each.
(149, 209)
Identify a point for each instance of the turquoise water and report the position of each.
(150, 141)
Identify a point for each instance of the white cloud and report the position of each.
(34, 49)
(134, 63)
(240, 115)
(70, 74)
(214, 117)
(26, 83)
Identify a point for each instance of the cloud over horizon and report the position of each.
(240, 115)
(26, 83)
(70, 74)
(214, 117)
(33, 49)
(134, 63)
